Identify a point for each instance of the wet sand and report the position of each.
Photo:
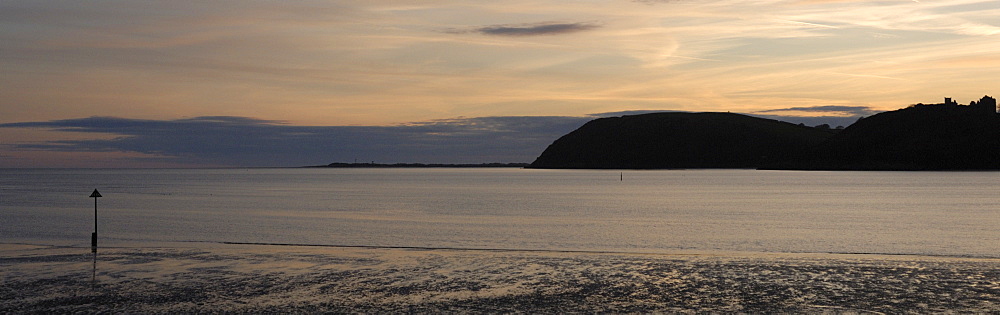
(257, 278)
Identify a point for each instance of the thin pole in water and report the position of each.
(93, 237)
(621, 177)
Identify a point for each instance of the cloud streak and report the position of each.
(839, 110)
(537, 29)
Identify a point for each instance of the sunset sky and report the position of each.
(287, 83)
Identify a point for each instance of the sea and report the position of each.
(955, 214)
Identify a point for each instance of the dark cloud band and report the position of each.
(536, 29)
(242, 141)
(850, 110)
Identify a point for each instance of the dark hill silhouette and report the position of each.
(921, 137)
(680, 140)
(944, 136)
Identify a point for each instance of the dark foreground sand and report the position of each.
(244, 278)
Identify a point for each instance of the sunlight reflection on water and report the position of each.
(930, 213)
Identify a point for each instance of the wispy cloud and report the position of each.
(839, 110)
(535, 29)
(654, 1)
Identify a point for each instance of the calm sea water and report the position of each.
(926, 213)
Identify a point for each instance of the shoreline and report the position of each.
(420, 165)
(269, 278)
(138, 245)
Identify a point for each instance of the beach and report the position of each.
(270, 278)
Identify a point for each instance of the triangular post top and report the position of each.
(95, 194)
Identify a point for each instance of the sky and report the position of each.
(287, 83)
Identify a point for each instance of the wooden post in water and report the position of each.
(93, 237)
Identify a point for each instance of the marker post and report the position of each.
(93, 237)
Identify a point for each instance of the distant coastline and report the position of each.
(420, 165)
(922, 137)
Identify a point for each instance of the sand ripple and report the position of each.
(293, 279)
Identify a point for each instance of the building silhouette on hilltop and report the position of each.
(948, 101)
(986, 104)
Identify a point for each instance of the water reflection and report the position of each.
(929, 213)
(93, 275)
